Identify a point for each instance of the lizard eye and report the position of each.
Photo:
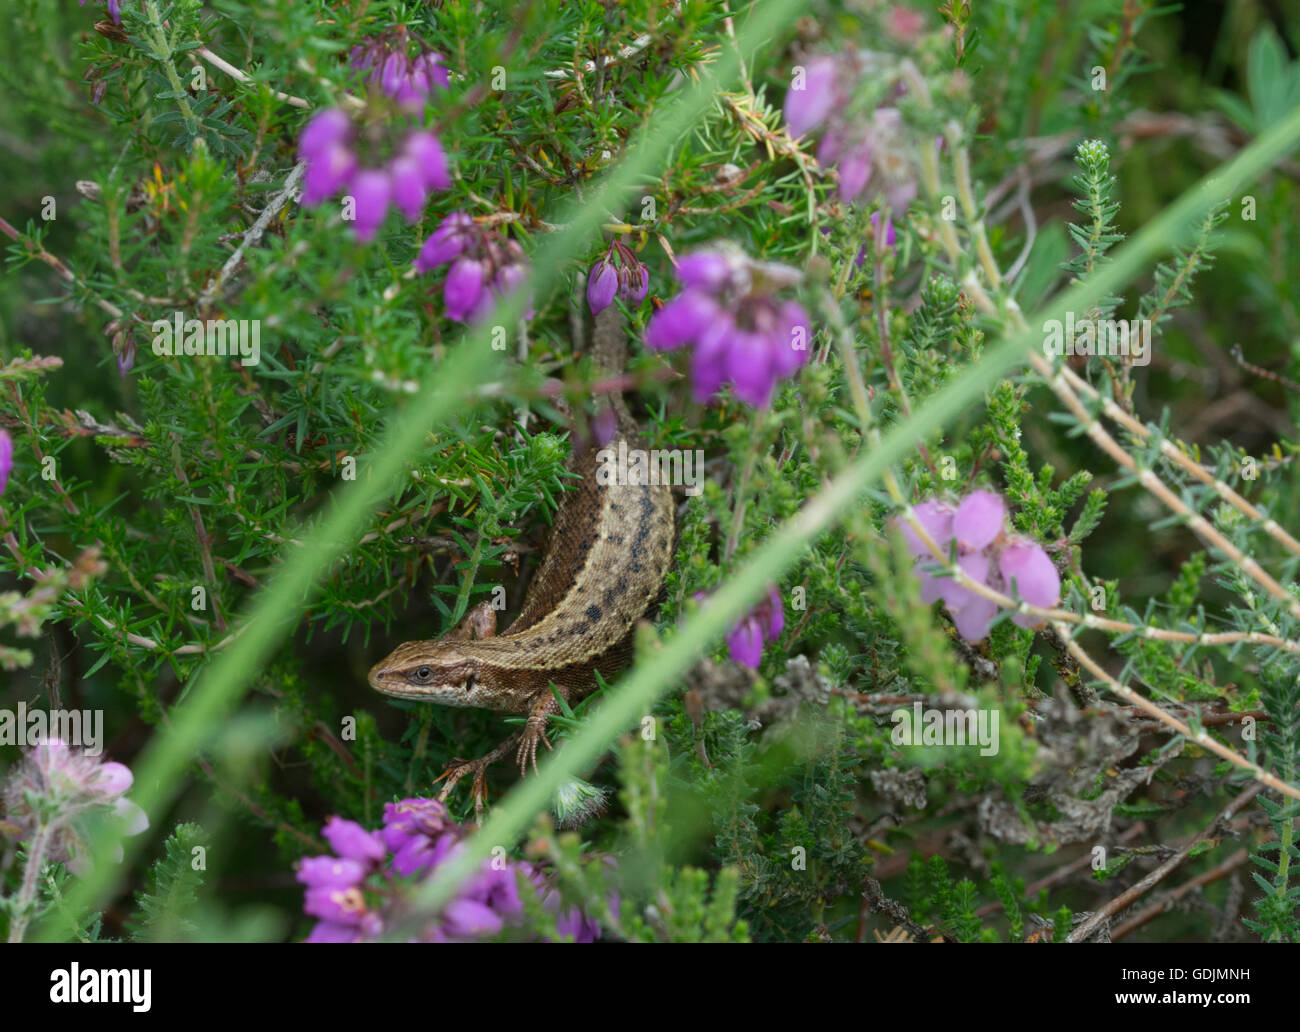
(469, 683)
(423, 674)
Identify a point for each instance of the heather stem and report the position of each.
(26, 901)
(163, 54)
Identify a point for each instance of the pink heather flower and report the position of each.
(6, 459)
(1031, 571)
(975, 565)
(985, 556)
(978, 520)
(764, 622)
(742, 332)
(936, 517)
(58, 788)
(810, 99)
(972, 620)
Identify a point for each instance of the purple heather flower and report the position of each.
(741, 331)
(326, 173)
(351, 841)
(602, 285)
(619, 273)
(1025, 565)
(409, 192)
(326, 129)
(329, 872)
(6, 458)
(426, 151)
(352, 906)
(681, 320)
(418, 167)
(386, 65)
(482, 269)
(810, 99)
(764, 622)
(709, 271)
(639, 287)
(464, 287)
(371, 192)
(510, 278)
(451, 237)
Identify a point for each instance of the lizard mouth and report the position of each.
(381, 680)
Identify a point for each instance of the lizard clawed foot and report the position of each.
(534, 732)
(457, 769)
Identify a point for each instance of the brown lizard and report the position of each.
(608, 553)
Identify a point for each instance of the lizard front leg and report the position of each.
(478, 768)
(543, 705)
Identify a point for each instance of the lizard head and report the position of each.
(431, 671)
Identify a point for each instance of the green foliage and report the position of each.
(772, 804)
(173, 888)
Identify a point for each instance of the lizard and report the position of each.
(604, 565)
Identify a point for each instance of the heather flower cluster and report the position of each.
(355, 896)
(872, 151)
(741, 331)
(987, 554)
(481, 266)
(386, 65)
(54, 794)
(618, 274)
(405, 181)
